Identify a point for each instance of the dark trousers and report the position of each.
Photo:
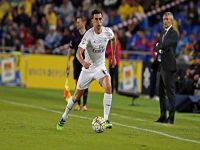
(153, 83)
(114, 77)
(167, 88)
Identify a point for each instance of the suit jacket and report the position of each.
(168, 47)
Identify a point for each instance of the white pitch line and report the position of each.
(127, 117)
(116, 123)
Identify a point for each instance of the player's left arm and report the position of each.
(113, 49)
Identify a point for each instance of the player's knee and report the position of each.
(74, 98)
(77, 96)
(108, 89)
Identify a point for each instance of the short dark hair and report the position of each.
(81, 17)
(96, 11)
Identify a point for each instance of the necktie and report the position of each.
(164, 34)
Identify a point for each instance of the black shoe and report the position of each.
(161, 120)
(170, 121)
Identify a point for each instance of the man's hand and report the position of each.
(160, 51)
(67, 70)
(113, 61)
(86, 65)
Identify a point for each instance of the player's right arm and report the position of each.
(79, 56)
(82, 46)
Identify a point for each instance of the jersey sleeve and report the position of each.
(110, 33)
(84, 41)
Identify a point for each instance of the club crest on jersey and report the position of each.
(83, 41)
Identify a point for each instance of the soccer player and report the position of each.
(76, 39)
(93, 44)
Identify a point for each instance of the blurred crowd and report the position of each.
(42, 26)
(188, 79)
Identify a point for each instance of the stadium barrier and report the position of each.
(9, 70)
(48, 71)
(130, 79)
(130, 76)
(146, 75)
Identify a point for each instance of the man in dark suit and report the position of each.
(166, 49)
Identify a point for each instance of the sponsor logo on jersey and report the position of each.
(101, 49)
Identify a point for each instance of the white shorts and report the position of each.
(88, 75)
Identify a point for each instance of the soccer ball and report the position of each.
(98, 124)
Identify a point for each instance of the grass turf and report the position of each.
(29, 117)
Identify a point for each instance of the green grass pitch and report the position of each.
(29, 118)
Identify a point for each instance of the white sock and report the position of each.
(107, 100)
(68, 108)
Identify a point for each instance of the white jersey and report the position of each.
(95, 46)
